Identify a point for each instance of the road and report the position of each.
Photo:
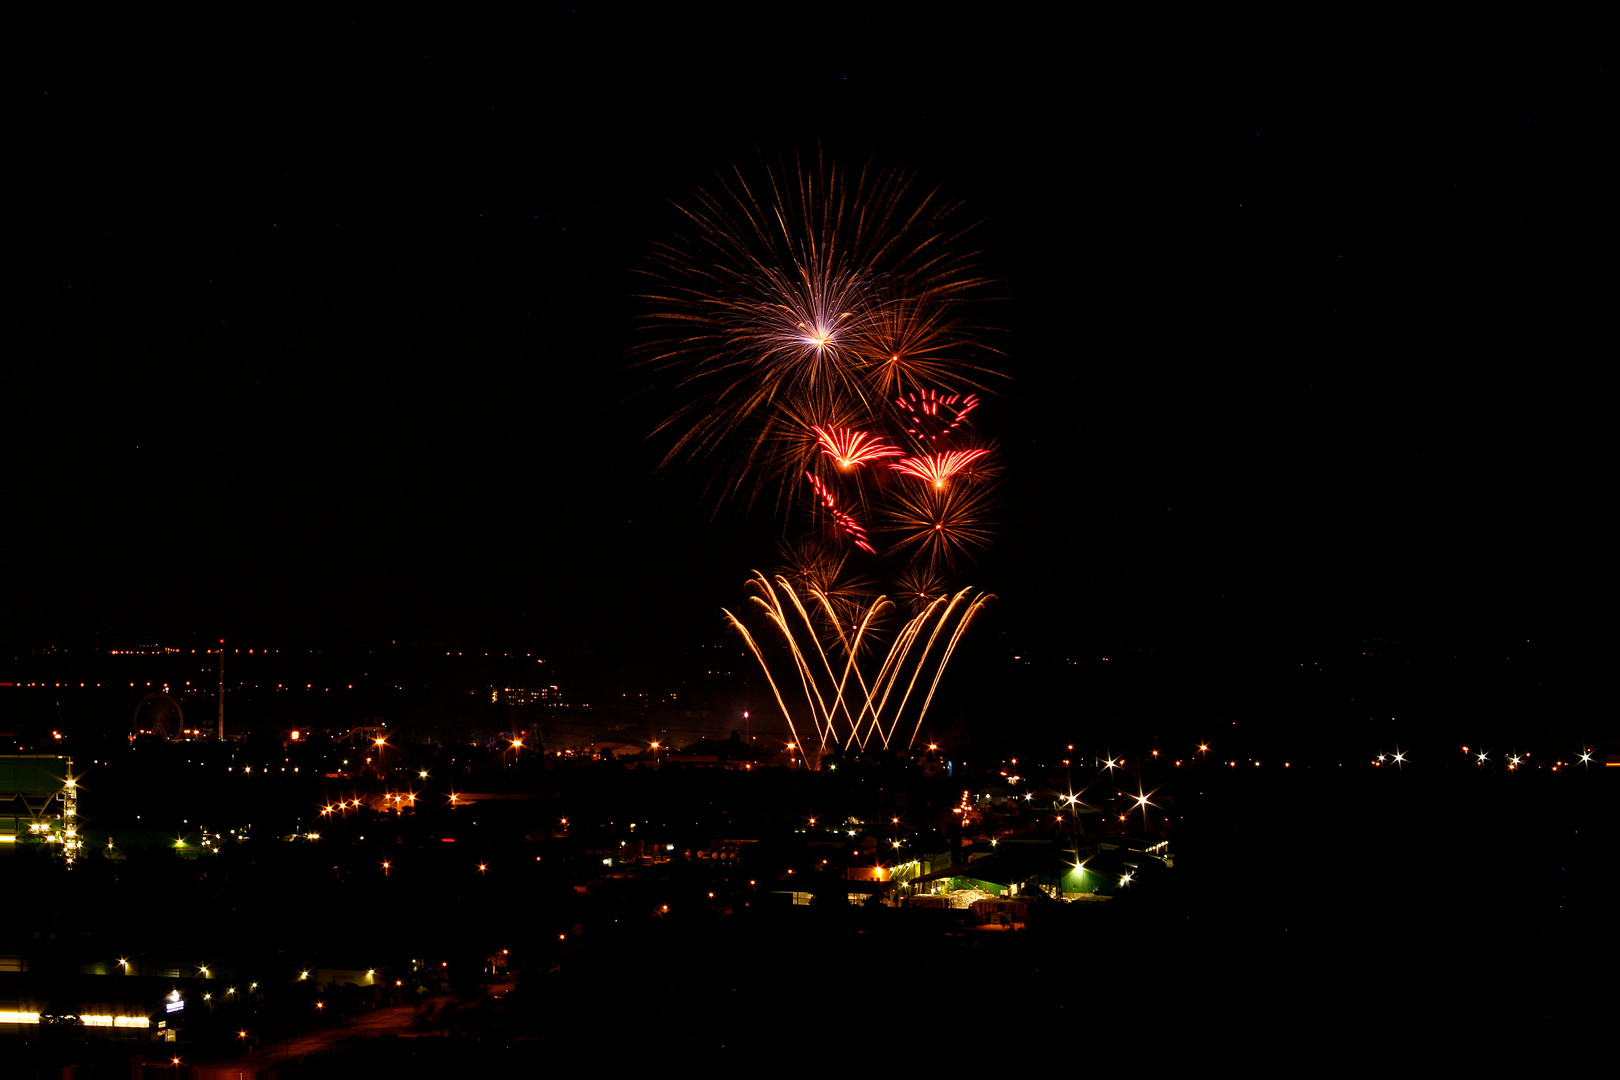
(396, 1020)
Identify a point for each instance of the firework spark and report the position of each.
(849, 705)
(810, 293)
(919, 586)
(910, 342)
(811, 566)
(940, 526)
(930, 414)
(937, 468)
(854, 529)
(849, 448)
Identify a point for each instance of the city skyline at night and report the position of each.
(583, 539)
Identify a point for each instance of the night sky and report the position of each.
(326, 329)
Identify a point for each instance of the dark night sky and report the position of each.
(325, 326)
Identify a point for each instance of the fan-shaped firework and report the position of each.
(937, 468)
(851, 703)
(849, 448)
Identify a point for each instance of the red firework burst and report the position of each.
(854, 529)
(928, 414)
(849, 447)
(937, 468)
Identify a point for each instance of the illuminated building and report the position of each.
(39, 802)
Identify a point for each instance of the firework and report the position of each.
(919, 586)
(940, 526)
(912, 342)
(930, 414)
(809, 294)
(937, 468)
(849, 448)
(811, 566)
(850, 704)
(854, 529)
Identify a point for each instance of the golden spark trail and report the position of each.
(749, 638)
(854, 707)
(949, 649)
(926, 650)
(888, 675)
(812, 691)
